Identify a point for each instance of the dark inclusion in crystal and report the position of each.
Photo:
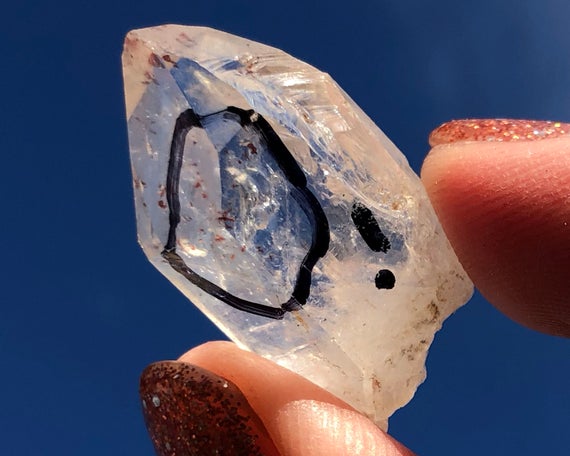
(385, 279)
(320, 235)
(375, 239)
(368, 228)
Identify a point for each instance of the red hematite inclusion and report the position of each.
(497, 130)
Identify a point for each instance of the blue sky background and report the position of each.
(82, 311)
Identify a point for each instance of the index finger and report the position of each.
(501, 189)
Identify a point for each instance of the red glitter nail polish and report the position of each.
(497, 130)
(191, 411)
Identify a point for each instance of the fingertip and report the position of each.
(505, 207)
(301, 418)
(267, 385)
(309, 427)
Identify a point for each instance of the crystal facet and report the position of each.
(281, 211)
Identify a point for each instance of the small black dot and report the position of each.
(385, 279)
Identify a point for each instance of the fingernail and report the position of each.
(191, 411)
(497, 130)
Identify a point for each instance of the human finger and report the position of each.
(501, 190)
(299, 417)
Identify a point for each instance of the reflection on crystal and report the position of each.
(282, 212)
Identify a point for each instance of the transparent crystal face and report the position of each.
(282, 212)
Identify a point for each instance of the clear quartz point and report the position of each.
(267, 196)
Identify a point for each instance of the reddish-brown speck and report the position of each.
(252, 148)
(184, 39)
(225, 217)
(150, 78)
(161, 204)
(227, 220)
(154, 60)
(219, 238)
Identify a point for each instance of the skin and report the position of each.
(506, 210)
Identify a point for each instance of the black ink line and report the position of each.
(185, 122)
(368, 228)
(212, 289)
(319, 245)
(304, 197)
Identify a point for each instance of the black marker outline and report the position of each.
(302, 195)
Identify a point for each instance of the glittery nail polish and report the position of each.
(497, 130)
(191, 411)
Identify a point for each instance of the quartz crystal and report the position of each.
(285, 215)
